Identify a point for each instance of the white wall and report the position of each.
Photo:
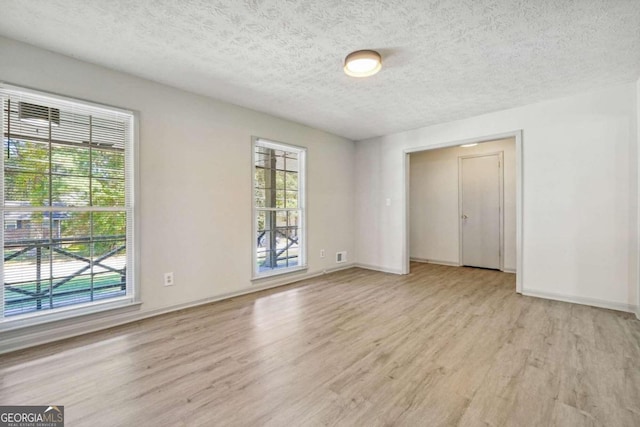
(579, 194)
(637, 160)
(434, 221)
(195, 186)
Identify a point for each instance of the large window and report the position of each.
(67, 205)
(279, 213)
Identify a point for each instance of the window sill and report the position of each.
(280, 272)
(34, 319)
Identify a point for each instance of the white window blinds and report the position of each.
(67, 205)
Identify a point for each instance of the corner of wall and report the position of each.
(637, 278)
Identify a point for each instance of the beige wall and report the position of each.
(195, 179)
(434, 217)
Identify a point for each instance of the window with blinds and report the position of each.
(67, 205)
(279, 207)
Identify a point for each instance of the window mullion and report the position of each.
(271, 217)
(50, 246)
(91, 238)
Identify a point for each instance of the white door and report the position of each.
(480, 223)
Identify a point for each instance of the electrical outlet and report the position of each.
(168, 279)
(321, 253)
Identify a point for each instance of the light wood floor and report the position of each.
(441, 346)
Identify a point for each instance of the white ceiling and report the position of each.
(443, 60)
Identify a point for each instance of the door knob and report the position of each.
(464, 216)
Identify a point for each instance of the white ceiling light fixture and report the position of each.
(469, 145)
(362, 63)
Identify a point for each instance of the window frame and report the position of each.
(132, 179)
(302, 208)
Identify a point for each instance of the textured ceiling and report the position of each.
(443, 60)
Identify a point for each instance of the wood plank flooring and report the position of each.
(441, 346)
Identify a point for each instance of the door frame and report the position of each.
(517, 134)
(500, 155)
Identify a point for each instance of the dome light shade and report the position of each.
(362, 63)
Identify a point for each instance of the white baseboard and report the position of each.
(436, 261)
(452, 263)
(19, 339)
(288, 278)
(378, 268)
(333, 270)
(594, 302)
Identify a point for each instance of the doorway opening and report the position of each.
(464, 204)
